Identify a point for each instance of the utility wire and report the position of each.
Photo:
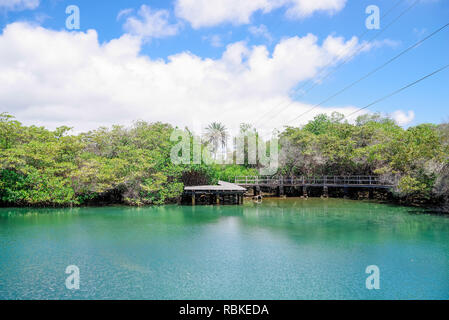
(397, 91)
(371, 72)
(330, 62)
(350, 57)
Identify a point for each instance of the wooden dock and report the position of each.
(233, 193)
(257, 183)
(223, 193)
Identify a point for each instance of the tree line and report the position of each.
(132, 165)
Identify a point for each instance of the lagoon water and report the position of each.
(281, 249)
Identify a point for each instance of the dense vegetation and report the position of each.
(129, 165)
(415, 159)
(133, 166)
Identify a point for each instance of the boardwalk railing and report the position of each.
(312, 181)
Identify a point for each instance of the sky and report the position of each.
(193, 62)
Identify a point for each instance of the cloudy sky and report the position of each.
(191, 62)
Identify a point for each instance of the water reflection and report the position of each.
(280, 249)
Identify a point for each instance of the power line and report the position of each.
(332, 61)
(363, 46)
(350, 57)
(371, 72)
(398, 91)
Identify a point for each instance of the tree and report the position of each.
(217, 136)
(10, 130)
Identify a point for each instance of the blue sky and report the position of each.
(196, 88)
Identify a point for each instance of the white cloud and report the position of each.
(206, 13)
(55, 78)
(306, 8)
(124, 12)
(215, 40)
(149, 23)
(348, 49)
(403, 118)
(384, 43)
(344, 49)
(261, 31)
(19, 4)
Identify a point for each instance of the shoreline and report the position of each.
(429, 209)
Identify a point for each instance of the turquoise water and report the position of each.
(281, 249)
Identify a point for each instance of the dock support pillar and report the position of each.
(281, 188)
(193, 199)
(256, 191)
(371, 194)
(325, 192)
(346, 192)
(304, 192)
(217, 199)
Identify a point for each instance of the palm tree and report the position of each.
(216, 135)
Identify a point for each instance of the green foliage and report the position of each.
(374, 145)
(44, 167)
(229, 172)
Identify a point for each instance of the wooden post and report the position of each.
(281, 187)
(280, 191)
(304, 192)
(217, 199)
(193, 199)
(325, 192)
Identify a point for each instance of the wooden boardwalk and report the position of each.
(324, 181)
(233, 193)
